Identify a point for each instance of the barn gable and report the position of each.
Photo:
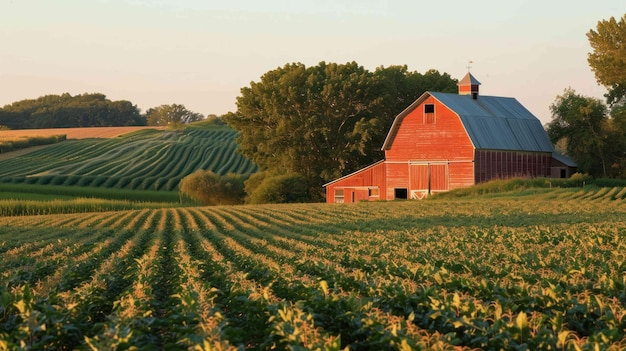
(491, 122)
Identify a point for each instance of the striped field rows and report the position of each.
(535, 272)
(144, 160)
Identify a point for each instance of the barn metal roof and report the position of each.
(491, 122)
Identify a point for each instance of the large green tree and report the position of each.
(581, 124)
(608, 59)
(325, 121)
(173, 114)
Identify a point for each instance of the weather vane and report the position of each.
(469, 65)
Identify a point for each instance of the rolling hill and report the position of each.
(145, 159)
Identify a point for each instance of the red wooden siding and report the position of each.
(443, 140)
(461, 174)
(397, 178)
(493, 164)
(359, 185)
(439, 178)
(418, 177)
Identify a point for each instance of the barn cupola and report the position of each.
(469, 85)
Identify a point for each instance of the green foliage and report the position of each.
(582, 123)
(273, 189)
(532, 186)
(210, 120)
(74, 205)
(327, 120)
(608, 59)
(253, 182)
(63, 192)
(211, 189)
(172, 115)
(67, 111)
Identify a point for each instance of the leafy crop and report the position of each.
(144, 160)
(535, 272)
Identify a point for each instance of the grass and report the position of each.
(525, 186)
(62, 192)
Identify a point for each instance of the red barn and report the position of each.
(446, 141)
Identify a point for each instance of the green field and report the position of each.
(517, 271)
(144, 160)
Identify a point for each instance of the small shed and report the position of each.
(446, 141)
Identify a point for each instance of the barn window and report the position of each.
(373, 192)
(339, 196)
(429, 113)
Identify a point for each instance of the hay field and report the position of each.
(75, 133)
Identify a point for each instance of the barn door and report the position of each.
(438, 177)
(427, 178)
(418, 180)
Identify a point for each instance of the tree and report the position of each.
(173, 114)
(608, 59)
(616, 141)
(582, 122)
(58, 111)
(323, 121)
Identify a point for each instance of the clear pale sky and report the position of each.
(201, 53)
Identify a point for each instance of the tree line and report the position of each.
(588, 129)
(88, 110)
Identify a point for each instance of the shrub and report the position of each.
(253, 182)
(287, 188)
(211, 189)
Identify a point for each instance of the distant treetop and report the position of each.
(67, 111)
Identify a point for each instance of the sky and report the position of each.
(201, 53)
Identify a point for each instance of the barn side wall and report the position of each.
(497, 164)
(367, 184)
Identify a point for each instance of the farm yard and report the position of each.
(531, 270)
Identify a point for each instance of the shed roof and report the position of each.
(567, 161)
(491, 122)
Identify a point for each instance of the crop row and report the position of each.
(150, 159)
(541, 273)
